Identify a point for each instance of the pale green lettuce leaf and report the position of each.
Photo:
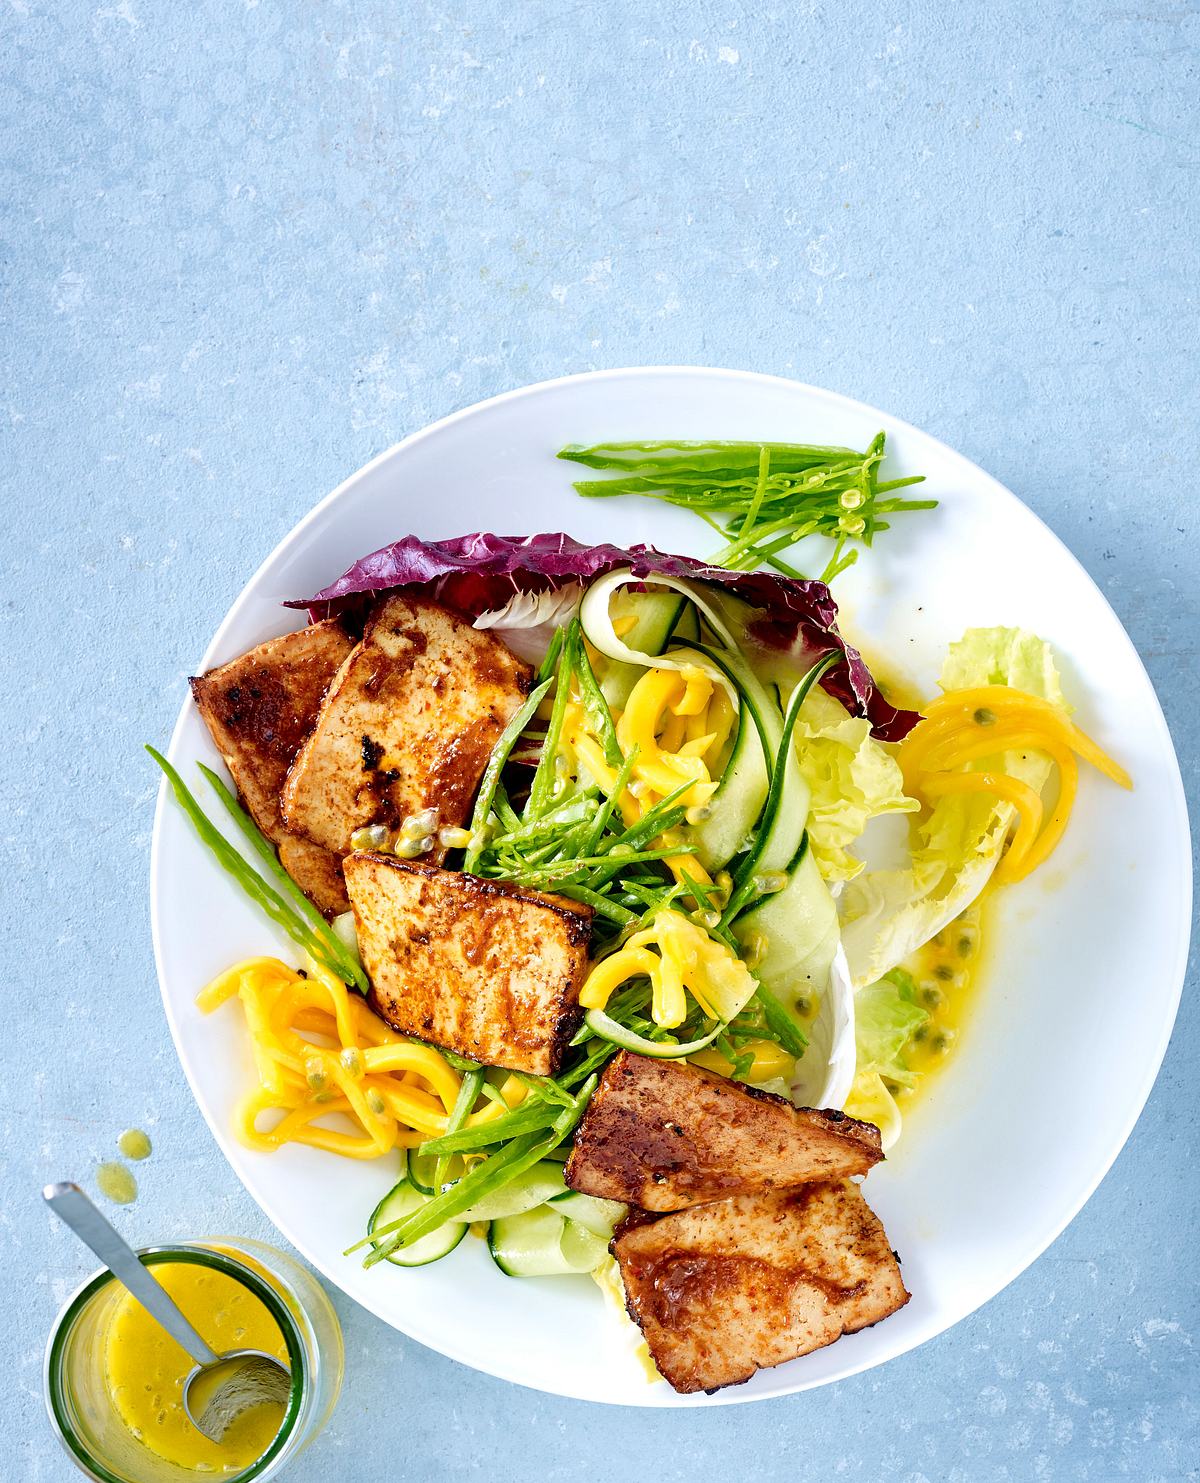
(1003, 656)
(853, 779)
(887, 914)
(886, 1015)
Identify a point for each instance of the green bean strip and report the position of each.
(468, 1092)
(491, 773)
(484, 1179)
(541, 790)
(601, 905)
(496, 1171)
(279, 911)
(605, 812)
(597, 706)
(775, 493)
(349, 971)
(782, 1026)
(523, 1119)
(550, 658)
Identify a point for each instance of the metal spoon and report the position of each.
(221, 1386)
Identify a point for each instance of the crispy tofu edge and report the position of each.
(319, 879)
(638, 1218)
(237, 749)
(575, 914)
(859, 1136)
(523, 674)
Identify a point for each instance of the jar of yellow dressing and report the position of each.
(114, 1379)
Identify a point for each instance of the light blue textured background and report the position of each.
(248, 245)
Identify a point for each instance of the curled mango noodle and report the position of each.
(679, 724)
(320, 1050)
(966, 726)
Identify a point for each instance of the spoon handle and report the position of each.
(73, 1207)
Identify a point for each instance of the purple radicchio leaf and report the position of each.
(479, 573)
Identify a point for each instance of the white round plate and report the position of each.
(1087, 958)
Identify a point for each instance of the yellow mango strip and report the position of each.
(227, 984)
(423, 1059)
(688, 959)
(1026, 800)
(641, 718)
(770, 1060)
(320, 1050)
(697, 693)
(294, 1128)
(258, 1021)
(954, 752)
(966, 726)
(673, 734)
(1068, 780)
(514, 1091)
(668, 1003)
(377, 1124)
(696, 746)
(611, 972)
(960, 706)
(412, 1107)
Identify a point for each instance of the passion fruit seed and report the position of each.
(370, 837)
(770, 881)
(698, 813)
(454, 839)
(416, 826)
(984, 717)
(376, 1103)
(754, 950)
(351, 1059)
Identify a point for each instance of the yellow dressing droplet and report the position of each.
(116, 1183)
(134, 1144)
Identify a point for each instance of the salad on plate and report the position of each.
(630, 910)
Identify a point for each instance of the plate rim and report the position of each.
(734, 1395)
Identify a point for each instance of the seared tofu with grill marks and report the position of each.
(408, 724)
(724, 1290)
(259, 709)
(480, 967)
(664, 1135)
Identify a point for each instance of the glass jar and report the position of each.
(78, 1395)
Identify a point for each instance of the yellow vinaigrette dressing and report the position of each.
(146, 1368)
(947, 969)
(946, 972)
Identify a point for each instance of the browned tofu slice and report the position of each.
(723, 1290)
(316, 871)
(259, 709)
(480, 967)
(663, 1135)
(407, 724)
